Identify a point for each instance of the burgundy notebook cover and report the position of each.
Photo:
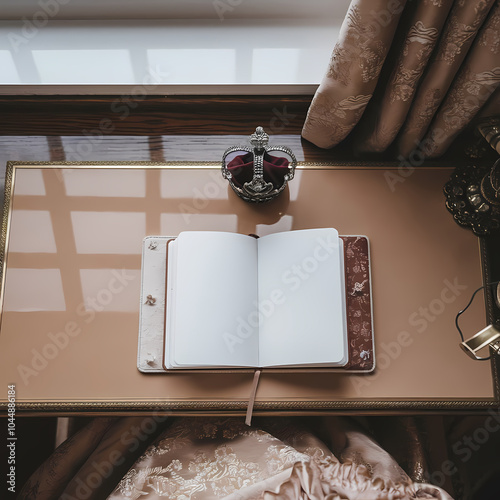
(358, 303)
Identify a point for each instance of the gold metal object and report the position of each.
(236, 407)
(486, 336)
(473, 191)
(496, 346)
(490, 130)
(471, 198)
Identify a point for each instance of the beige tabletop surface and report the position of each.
(71, 284)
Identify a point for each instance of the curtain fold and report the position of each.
(317, 458)
(358, 56)
(214, 458)
(457, 38)
(420, 93)
(478, 78)
(51, 478)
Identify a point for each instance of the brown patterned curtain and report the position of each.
(417, 72)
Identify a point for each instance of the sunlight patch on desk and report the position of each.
(284, 224)
(294, 185)
(173, 224)
(104, 182)
(30, 290)
(106, 290)
(193, 184)
(29, 182)
(31, 232)
(108, 232)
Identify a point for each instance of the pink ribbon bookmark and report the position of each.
(251, 400)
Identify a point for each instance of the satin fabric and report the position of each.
(208, 458)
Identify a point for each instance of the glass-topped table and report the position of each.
(72, 236)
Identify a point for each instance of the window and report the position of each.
(175, 46)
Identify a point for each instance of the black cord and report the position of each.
(467, 307)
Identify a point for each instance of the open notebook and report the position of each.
(236, 301)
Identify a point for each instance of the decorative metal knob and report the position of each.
(473, 197)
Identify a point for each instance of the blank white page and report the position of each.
(301, 299)
(215, 291)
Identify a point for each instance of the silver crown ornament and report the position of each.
(261, 172)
